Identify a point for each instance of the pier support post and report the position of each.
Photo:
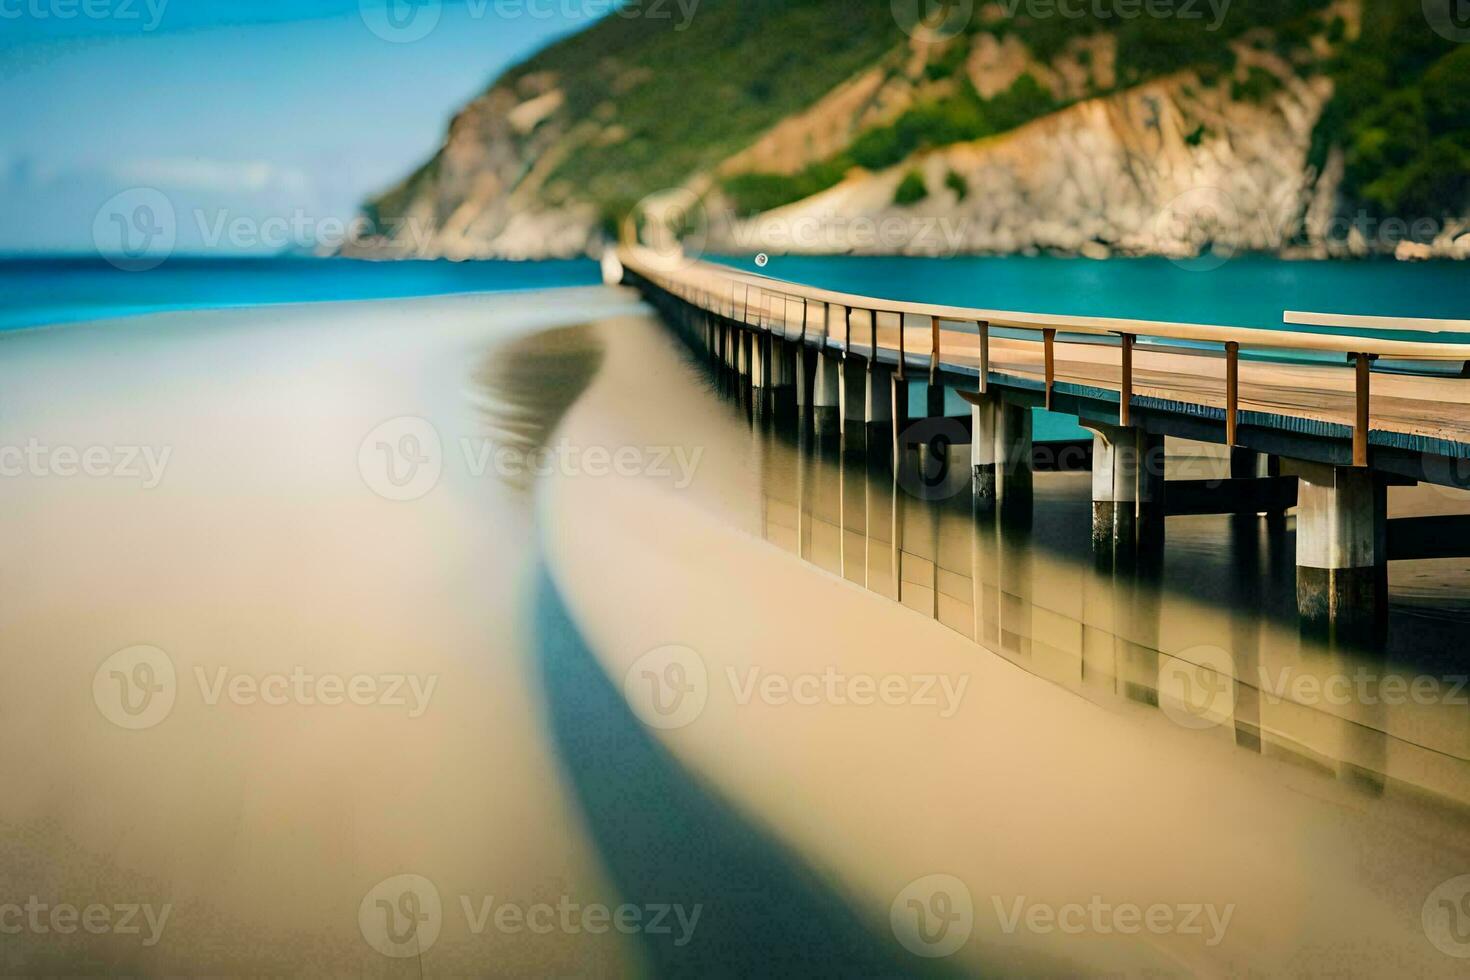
(1151, 489)
(760, 360)
(826, 398)
(1127, 491)
(1246, 464)
(1115, 468)
(877, 403)
(983, 452)
(781, 358)
(1013, 480)
(1341, 551)
(853, 386)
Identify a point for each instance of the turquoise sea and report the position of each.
(1246, 291)
(41, 291)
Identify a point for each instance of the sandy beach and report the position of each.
(267, 799)
(347, 624)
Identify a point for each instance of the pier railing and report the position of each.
(807, 313)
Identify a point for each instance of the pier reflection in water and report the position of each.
(1205, 629)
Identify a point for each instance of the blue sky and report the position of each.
(237, 110)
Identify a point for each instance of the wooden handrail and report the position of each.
(1349, 321)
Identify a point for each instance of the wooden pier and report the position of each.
(1323, 414)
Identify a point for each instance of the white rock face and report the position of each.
(1133, 173)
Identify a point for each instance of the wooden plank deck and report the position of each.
(1323, 391)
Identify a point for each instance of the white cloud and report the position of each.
(199, 173)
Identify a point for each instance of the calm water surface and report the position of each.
(1249, 290)
(40, 291)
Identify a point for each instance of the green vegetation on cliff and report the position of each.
(647, 106)
(1147, 47)
(686, 99)
(1402, 115)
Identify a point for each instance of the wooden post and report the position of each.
(1232, 392)
(873, 330)
(847, 341)
(933, 349)
(1049, 341)
(1125, 391)
(1360, 428)
(902, 376)
(803, 319)
(984, 326)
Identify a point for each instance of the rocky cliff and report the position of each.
(829, 127)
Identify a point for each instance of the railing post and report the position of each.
(1125, 392)
(1049, 356)
(984, 326)
(1232, 392)
(933, 349)
(902, 356)
(1362, 416)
